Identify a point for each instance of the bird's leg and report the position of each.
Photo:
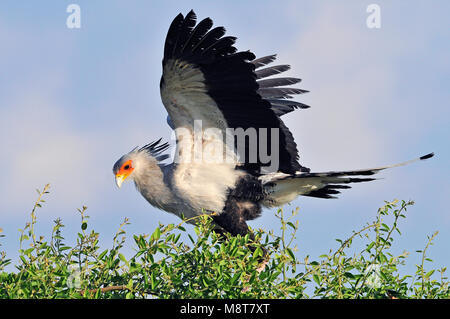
(232, 220)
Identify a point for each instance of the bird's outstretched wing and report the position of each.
(205, 79)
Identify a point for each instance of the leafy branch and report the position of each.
(175, 262)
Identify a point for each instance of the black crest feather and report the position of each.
(156, 149)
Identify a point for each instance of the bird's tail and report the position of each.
(283, 188)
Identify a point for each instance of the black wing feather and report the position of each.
(209, 39)
(197, 34)
(264, 60)
(184, 32)
(272, 70)
(271, 83)
(172, 37)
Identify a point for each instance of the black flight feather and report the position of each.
(264, 60)
(197, 34)
(272, 70)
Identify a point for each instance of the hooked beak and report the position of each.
(120, 179)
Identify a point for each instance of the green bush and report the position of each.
(208, 265)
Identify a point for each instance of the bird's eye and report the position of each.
(126, 167)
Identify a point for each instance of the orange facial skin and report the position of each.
(126, 169)
(124, 172)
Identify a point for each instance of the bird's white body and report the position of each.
(193, 183)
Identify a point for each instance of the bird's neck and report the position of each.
(149, 180)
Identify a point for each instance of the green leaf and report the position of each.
(291, 254)
(156, 234)
(130, 284)
(369, 247)
(316, 278)
(382, 275)
(258, 252)
(153, 280)
(103, 254)
(235, 278)
(122, 257)
(291, 225)
(129, 295)
(349, 275)
(23, 259)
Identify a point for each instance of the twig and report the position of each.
(33, 212)
(430, 240)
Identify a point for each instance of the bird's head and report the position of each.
(136, 162)
(124, 168)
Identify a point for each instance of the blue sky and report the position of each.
(72, 101)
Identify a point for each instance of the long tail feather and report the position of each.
(283, 188)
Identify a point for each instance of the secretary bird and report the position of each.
(227, 104)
